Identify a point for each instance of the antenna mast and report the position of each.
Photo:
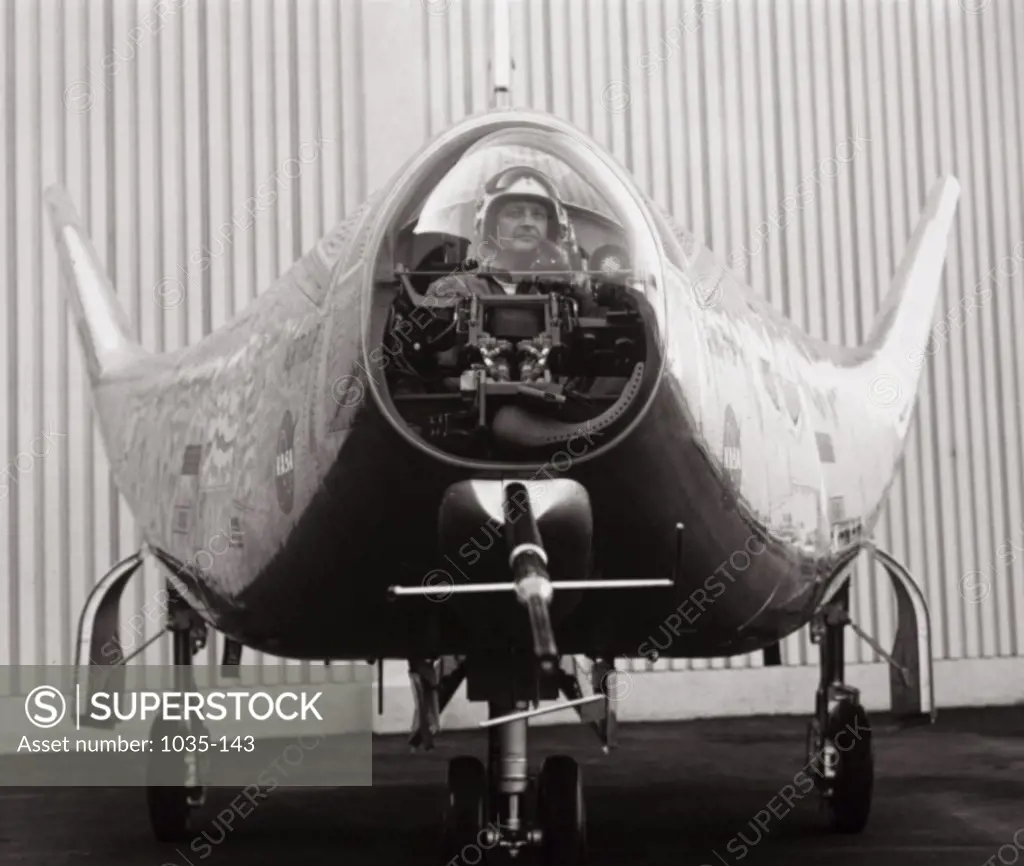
(501, 64)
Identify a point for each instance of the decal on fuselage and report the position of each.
(190, 462)
(218, 461)
(182, 519)
(284, 464)
(236, 537)
(188, 489)
(826, 452)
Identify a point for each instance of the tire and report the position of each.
(848, 800)
(167, 798)
(562, 812)
(466, 813)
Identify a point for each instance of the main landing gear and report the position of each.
(174, 787)
(840, 758)
(839, 754)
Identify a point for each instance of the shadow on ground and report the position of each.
(678, 793)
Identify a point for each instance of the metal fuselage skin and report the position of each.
(262, 463)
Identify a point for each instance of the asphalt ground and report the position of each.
(675, 794)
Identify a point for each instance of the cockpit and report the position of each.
(516, 299)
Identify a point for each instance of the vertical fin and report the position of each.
(906, 315)
(905, 320)
(107, 339)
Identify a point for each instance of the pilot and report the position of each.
(522, 228)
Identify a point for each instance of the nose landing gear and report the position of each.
(839, 736)
(839, 751)
(502, 809)
(500, 806)
(174, 786)
(562, 812)
(466, 814)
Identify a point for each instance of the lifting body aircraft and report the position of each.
(671, 469)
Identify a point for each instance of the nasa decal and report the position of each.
(284, 464)
(731, 454)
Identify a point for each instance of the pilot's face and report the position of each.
(521, 224)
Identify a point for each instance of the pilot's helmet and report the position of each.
(522, 182)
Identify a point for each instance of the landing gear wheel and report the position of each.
(466, 813)
(849, 768)
(170, 794)
(814, 746)
(562, 813)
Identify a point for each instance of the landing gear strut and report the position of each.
(501, 807)
(839, 750)
(839, 736)
(174, 787)
(497, 804)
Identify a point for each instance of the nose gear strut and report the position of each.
(497, 804)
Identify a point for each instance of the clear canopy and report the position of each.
(530, 200)
(537, 211)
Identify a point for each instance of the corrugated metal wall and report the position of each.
(795, 137)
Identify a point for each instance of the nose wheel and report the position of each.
(465, 817)
(496, 809)
(479, 827)
(562, 813)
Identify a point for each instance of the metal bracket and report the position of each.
(446, 590)
(539, 711)
(99, 654)
(913, 692)
(100, 658)
(911, 678)
(603, 722)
